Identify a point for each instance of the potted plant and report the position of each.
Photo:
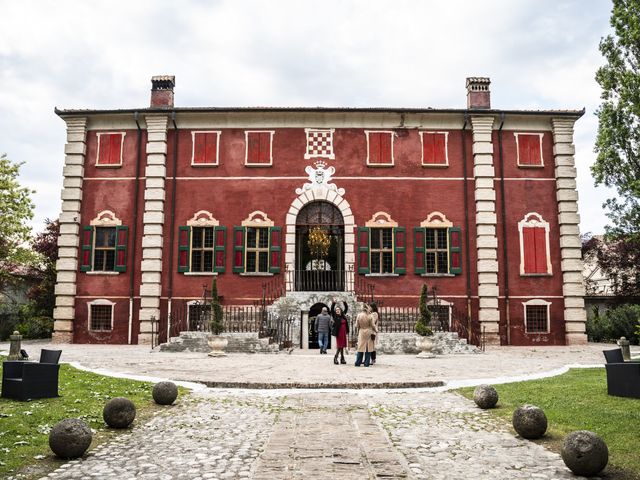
(216, 325)
(424, 341)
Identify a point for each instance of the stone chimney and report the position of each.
(478, 94)
(162, 91)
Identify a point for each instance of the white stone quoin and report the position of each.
(67, 264)
(486, 239)
(572, 286)
(153, 219)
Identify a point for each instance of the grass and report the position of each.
(578, 400)
(24, 426)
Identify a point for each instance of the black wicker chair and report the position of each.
(623, 378)
(31, 380)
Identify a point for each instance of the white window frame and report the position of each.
(540, 135)
(534, 220)
(246, 148)
(389, 132)
(110, 165)
(100, 302)
(105, 218)
(193, 148)
(307, 155)
(446, 149)
(537, 302)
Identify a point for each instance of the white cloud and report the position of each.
(101, 54)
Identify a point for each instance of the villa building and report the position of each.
(477, 202)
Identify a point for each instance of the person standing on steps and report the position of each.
(373, 307)
(323, 327)
(339, 329)
(366, 336)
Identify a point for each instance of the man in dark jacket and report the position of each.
(323, 327)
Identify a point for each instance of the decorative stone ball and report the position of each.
(485, 396)
(70, 438)
(585, 453)
(165, 393)
(529, 421)
(119, 412)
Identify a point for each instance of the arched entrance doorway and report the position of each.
(314, 272)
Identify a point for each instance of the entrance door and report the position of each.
(313, 272)
(313, 334)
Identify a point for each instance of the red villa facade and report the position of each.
(479, 203)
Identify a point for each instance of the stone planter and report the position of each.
(425, 344)
(217, 343)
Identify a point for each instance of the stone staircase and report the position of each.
(238, 343)
(445, 343)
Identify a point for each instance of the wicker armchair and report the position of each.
(623, 378)
(30, 380)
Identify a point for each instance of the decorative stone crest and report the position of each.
(106, 218)
(320, 177)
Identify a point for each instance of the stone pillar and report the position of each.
(575, 316)
(154, 196)
(69, 239)
(486, 239)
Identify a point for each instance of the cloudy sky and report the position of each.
(102, 54)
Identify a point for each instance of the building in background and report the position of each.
(478, 203)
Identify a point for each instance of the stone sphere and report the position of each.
(165, 393)
(529, 421)
(485, 396)
(585, 453)
(119, 412)
(70, 438)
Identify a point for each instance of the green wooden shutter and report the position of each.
(455, 251)
(238, 249)
(86, 257)
(419, 243)
(122, 236)
(400, 250)
(184, 249)
(275, 249)
(364, 237)
(220, 247)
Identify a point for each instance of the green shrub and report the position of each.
(424, 321)
(620, 321)
(35, 327)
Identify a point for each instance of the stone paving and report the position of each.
(303, 367)
(343, 435)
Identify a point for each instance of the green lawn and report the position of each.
(24, 426)
(578, 400)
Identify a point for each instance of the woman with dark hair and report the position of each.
(340, 330)
(374, 320)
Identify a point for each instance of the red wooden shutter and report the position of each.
(184, 248)
(534, 150)
(455, 251)
(220, 245)
(419, 265)
(363, 250)
(116, 149)
(122, 234)
(265, 147)
(275, 249)
(374, 148)
(385, 148)
(428, 148)
(529, 247)
(540, 241)
(104, 150)
(439, 149)
(400, 250)
(238, 249)
(87, 249)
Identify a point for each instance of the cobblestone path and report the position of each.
(355, 435)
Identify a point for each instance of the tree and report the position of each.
(42, 294)
(423, 325)
(16, 209)
(619, 260)
(618, 141)
(217, 314)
